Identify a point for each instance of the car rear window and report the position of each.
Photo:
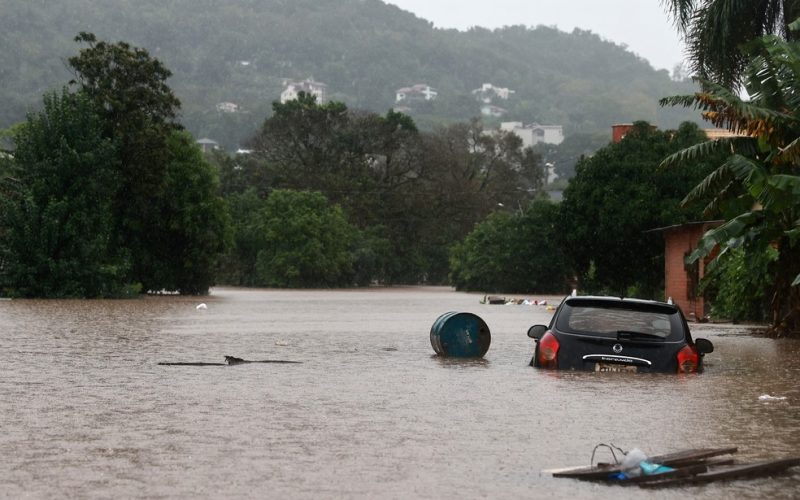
(607, 319)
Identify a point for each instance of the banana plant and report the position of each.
(756, 188)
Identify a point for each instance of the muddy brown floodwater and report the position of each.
(87, 412)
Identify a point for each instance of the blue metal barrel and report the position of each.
(460, 335)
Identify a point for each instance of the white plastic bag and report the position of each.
(630, 464)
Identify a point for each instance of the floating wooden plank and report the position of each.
(688, 470)
(765, 468)
(681, 459)
(676, 459)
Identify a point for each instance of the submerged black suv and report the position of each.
(611, 334)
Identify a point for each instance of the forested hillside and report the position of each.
(241, 51)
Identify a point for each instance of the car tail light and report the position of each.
(688, 360)
(548, 349)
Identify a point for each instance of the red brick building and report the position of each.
(681, 280)
(619, 131)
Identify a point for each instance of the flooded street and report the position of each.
(87, 412)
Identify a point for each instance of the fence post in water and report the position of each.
(460, 335)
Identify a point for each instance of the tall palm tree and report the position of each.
(715, 30)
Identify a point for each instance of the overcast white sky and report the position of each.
(642, 25)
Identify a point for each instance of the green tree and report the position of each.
(472, 172)
(307, 242)
(238, 266)
(738, 284)
(617, 195)
(464, 174)
(56, 222)
(368, 164)
(193, 225)
(240, 173)
(516, 253)
(756, 188)
(138, 110)
(311, 146)
(715, 31)
(412, 193)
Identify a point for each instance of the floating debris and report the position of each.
(201, 306)
(686, 467)
(767, 397)
(496, 300)
(229, 361)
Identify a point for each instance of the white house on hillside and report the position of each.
(534, 133)
(207, 145)
(420, 91)
(227, 107)
(488, 92)
(309, 86)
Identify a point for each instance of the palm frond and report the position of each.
(681, 12)
(678, 100)
(782, 193)
(721, 176)
(714, 206)
(734, 228)
(787, 183)
(692, 153)
(750, 173)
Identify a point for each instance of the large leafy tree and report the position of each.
(193, 223)
(757, 187)
(238, 265)
(618, 195)
(475, 171)
(307, 243)
(467, 174)
(138, 109)
(716, 29)
(513, 252)
(56, 220)
(412, 194)
(312, 146)
(367, 164)
(105, 193)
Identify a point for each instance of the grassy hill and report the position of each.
(241, 51)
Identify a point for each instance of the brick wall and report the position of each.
(681, 281)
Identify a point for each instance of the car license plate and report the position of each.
(614, 367)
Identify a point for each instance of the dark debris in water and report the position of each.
(229, 361)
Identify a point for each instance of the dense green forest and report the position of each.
(241, 51)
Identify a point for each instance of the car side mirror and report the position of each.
(537, 331)
(704, 346)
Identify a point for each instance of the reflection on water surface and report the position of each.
(370, 413)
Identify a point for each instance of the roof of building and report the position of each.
(719, 133)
